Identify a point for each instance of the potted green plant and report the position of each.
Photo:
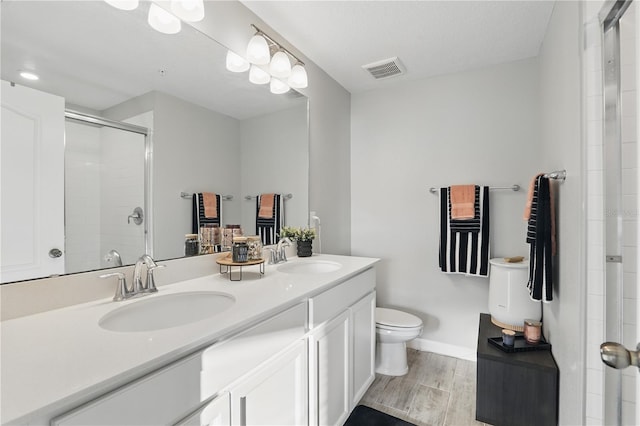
(303, 237)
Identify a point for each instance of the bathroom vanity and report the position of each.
(295, 347)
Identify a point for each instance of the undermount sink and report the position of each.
(309, 267)
(165, 311)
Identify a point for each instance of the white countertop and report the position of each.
(51, 359)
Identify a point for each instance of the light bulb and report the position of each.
(123, 4)
(188, 10)
(258, 76)
(278, 87)
(163, 21)
(258, 50)
(236, 63)
(28, 75)
(280, 66)
(298, 78)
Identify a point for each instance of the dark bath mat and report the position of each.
(367, 416)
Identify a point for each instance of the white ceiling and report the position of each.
(429, 37)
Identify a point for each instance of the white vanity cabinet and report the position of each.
(342, 348)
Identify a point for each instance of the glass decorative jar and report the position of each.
(191, 245)
(240, 250)
(255, 247)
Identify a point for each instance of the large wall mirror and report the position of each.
(172, 122)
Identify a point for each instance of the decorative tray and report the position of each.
(519, 344)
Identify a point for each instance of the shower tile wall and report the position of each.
(596, 211)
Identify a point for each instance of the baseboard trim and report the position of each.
(443, 349)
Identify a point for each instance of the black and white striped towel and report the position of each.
(465, 251)
(199, 219)
(268, 229)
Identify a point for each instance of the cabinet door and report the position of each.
(363, 340)
(276, 393)
(330, 374)
(216, 412)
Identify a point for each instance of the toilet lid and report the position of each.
(396, 318)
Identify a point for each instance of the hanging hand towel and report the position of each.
(462, 198)
(467, 225)
(268, 225)
(539, 235)
(464, 252)
(203, 215)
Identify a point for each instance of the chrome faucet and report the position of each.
(149, 286)
(123, 292)
(279, 254)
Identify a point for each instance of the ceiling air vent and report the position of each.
(385, 68)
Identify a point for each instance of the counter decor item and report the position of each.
(532, 331)
(508, 337)
(191, 245)
(240, 251)
(227, 264)
(255, 247)
(303, 237)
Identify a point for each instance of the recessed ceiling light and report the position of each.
(29, 75)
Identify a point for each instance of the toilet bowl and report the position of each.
(393, 330)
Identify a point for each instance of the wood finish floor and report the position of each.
(438, 391)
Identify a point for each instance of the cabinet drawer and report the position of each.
(159, 398)
(327, 305)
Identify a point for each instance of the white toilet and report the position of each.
(393, 330)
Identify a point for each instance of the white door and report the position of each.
(32, 184)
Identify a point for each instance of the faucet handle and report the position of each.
(122, 291)
(273, 257)
(150, 286)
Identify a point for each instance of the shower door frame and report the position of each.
(89, 119)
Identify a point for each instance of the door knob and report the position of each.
(137, 216)
(617, 356)
(55, 252)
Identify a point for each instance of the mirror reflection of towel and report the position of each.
(266, 202)
(210, 201)
(463, 198)
(199, 215)
(268, 227)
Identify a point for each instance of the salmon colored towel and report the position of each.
(266, 206)
(463, 198)
(210, 202)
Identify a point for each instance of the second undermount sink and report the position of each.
(165, 311)
(309, 267)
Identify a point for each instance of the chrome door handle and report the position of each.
(617, 356)
(137, 216)
(54, 253)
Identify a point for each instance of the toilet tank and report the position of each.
(509, 301)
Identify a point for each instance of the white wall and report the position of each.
(561, 146)
(274, 157)
(480, 126)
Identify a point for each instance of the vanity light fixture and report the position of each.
(278, 87)
(258, 76)
(123, 4)
(258, 50)
(280, 66)
(188, 10)
(236, 63)
(298, 78)
(163, 21)
(28, 75)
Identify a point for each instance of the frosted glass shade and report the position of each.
(236, 63)
(280, 66)
(258, 50)
(298, 78)
(278, 87)
(258, 76)
(188, 10)
(123, 4)
(163, 21)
